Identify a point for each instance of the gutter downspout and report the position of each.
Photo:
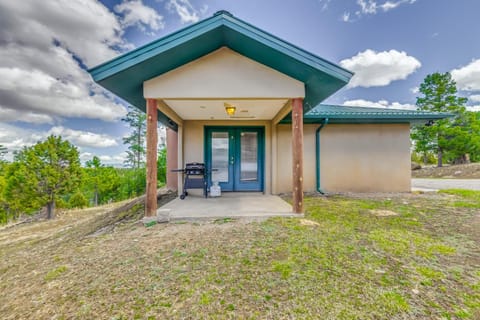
(317, 153)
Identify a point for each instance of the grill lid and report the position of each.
(195, 166)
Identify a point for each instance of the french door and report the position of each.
(235, 157)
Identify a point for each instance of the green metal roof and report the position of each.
(347, 114)
(124, 75)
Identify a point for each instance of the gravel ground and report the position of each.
(438, 184)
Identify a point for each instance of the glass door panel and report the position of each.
(220, 155)
(248, 156)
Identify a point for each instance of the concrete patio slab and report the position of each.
(229, 205)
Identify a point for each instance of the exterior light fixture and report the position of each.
(230, 109)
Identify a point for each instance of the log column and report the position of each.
(152, 141)
(297, 153)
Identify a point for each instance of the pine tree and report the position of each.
(439, 94)
(136, 119)
(41, 174)
(104, 181)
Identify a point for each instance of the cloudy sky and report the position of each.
(46, 46)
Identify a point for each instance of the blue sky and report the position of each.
(45, 46)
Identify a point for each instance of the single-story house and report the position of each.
(249, 105)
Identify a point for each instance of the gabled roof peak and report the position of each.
(224, 12)
(124, 75)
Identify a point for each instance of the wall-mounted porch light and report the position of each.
(230, 109)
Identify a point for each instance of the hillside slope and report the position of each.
(464, 171)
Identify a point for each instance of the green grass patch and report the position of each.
(429, 275)
(469, 198)
(467, 194)
(394, 302)
(55, 273)
(223, 220)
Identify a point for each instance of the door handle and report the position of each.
(232, 160)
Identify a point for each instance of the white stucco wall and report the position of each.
(221, 74)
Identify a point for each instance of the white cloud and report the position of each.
(85, 156)
(474, 98)
(379, 68)
(11, 115)
(473, 108)
(85, 27)
(115, 159)
(372, 7)
(468, 77)
(389, 5)
(185, 10)
(346, 17)
(415, 90)
(41, 79)
(84, 138)
(135, 13)
(367, 6)
(15, 138)
(38, 93)
(379, 104)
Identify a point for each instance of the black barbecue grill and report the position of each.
(195, 178)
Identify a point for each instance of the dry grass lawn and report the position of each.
(347, 259)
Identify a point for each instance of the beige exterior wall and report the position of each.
(356, 158)
(284, 158)
(193, 144)
(366, 158)
(223, 73)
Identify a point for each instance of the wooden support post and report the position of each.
(152, 141)
(297, 150)
(172, 162)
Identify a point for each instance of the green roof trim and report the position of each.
(124, 75)
(348, 114)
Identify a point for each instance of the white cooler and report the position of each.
(215, 190)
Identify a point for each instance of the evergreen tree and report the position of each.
(3, 201)
(439, 94)
(41, 174)
(162, 165)
(94, 167)
(136, 119)
(463, 139)
(78, 200)
(101, 180)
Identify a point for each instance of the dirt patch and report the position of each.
(306, 222)
(383, 213)
(463, 171)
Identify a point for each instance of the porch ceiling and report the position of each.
(214, 109)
